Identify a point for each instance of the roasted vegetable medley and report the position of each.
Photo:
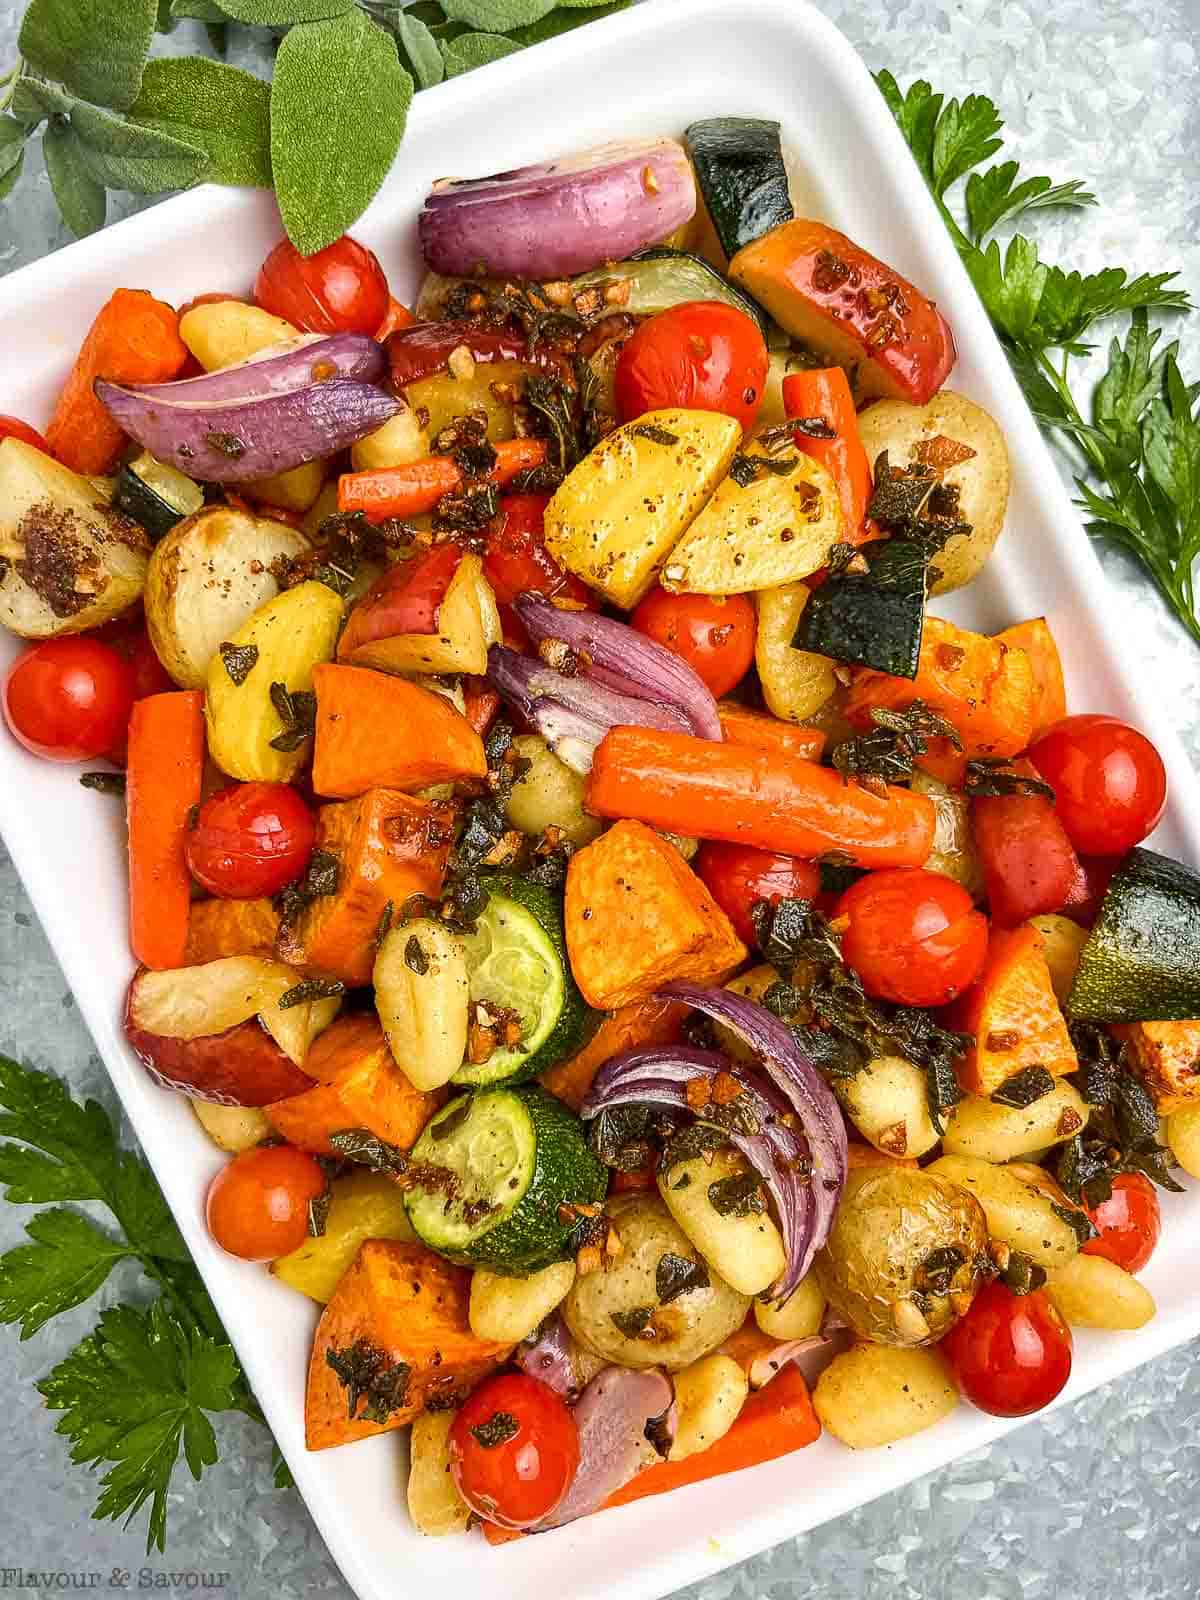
(662, 992)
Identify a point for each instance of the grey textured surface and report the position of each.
(1100, 1498)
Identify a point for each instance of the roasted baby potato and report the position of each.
(875, 1394)
(67, 560)
(223, 332)
(795, 683)
(939, 432)
(549, 795)
(206, 577)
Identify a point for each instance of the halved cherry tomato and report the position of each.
(514, 1448)
(1109, 782)
(703, 354)
(341, 289)
(714, 634)
(14, 428)
(69, 699)
(1129, 1222)
(912, 936)
(516, 560)
(1011, 1354)
(250, 840)
(738, 875)
(258, 1203)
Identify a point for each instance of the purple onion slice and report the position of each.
(312, 358)
(612, 1414)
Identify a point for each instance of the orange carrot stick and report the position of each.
(162, 784)
(415, 489)
(745, 796)
(755, 728)
(824, 393)
(135, 339)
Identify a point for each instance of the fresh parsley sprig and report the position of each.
(1138, 438)
(345, 74)
(142, 1386)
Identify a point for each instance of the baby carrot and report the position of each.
(743, 726)
(825, 394)
(759, 797)
(412, 490)
(162, 784)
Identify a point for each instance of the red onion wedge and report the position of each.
(658, 1075)
(238, 441)
(550, 1357)
(571, 714)
(310, 358)
(625, 660)
(560, 217)
(612, 1415)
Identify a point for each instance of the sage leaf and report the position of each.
(33, 101)
(81, 198)
(282, 13)
(497, 16)
(199, 10)
(124, 155)
(421, 49)
(96, 47)
(471, 50)
(562, 21)
(219, 109)
(339, 102)
(12, 154)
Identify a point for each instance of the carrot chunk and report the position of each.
(414, 490)
(162, 784)
(1049, 690)
(645, 1022)
(1013, 1014)
(761, 732)
(219, 928)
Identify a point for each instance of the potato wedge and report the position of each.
(445, 397)
(507, 1309)
(291, 634)
(908, 433)
(876, 1394)
(401, 440)
(616, 518)
(775, 530)
(210, 573)
(294, 490)
(231, 1128)
(434, 1503)
(223, 332)
(362, 1205)
(795, 683)
(67, 560)
(422, 1000)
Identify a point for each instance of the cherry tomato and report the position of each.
(516, 560)
(69, 699)
(514, 1448)
(1011, 1354)
(1129, 1222)
(912, 936)
(14, 428)
(258, 1202)
(1109, 782)
(736, 875)
(704, 355)
(341, 289)
(714, 634)
(250, 840)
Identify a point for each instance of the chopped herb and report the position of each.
(1024, 1087)
(887, 754)
(635, 1323)
(1022, 1275)
(466, 442)
(811, 427)
(745, 470)
(415, 958)
(992, 776)
(468, 509)
(239, 660)
(343, 541)
(1122, 1130)
(297, 710)
(499, 1428)
(366, 1374)
(104, 782)
(621, 1137)
(697, 1141)
(739, 1195)
(321, 878)
(679, 1275)
(318, 1213)
(366, 1149)
(384, 924)
(791, 931)
(936, 1273)
(228, 444)
(913, 503)
(659, 1434)
(311, 989)
(651, 431)
(1078, 1221)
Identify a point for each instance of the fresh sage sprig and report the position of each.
(323, 133)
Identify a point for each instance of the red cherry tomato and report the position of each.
(341, 289)
(514, 1448)
(1129, 1222)
(130, 640)
(14, 428)
(714, 634)
(1109, 782)
(69, 699)
(516, 560)
(258, 1203)
(250, 840)
(1011, 1354)
(912, 936)
(736, 875)
(704, 355)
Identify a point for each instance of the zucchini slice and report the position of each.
(156, 495)
(875, 618)
(739, 167)
(516, 1157)
(517, 960)
(660, 277)
(1141, 962)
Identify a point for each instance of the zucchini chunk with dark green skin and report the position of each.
(1141, 962)
(874, 618)
(156, 494)
(660, 277)
(739, 166)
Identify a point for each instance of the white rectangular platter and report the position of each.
(650, 70)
